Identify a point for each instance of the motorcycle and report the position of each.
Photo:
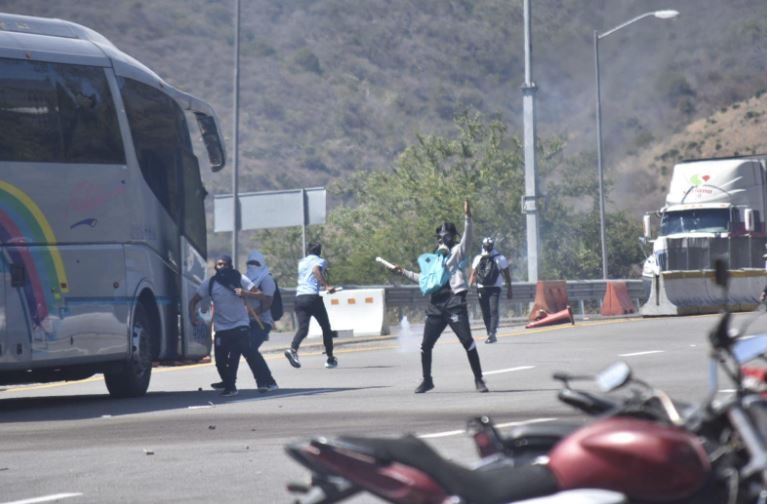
(644, 448)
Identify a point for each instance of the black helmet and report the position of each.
(447, 228)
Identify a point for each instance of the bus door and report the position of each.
(21, 305)
(193, 241)
(197, 339)
(4, 278)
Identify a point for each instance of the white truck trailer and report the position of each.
(714, 207)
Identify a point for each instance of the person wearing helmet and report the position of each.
(447, 306)
(488, 271)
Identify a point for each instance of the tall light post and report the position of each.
(530, 199)
(661, 14)
(236, 135)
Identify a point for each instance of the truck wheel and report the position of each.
(132, 380)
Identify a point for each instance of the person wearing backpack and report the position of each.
(259, 304)
(447, 302)
(486, 271)
(312, 271)
(226, 289)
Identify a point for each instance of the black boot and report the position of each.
(426, 385)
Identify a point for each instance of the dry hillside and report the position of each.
(736, 130)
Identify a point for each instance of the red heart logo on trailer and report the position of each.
(705, 178)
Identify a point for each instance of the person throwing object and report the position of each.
(447, 304)
(311, 279)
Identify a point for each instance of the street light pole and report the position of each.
(236, 135)
(661, 14)
(530, 200)
(600, 172)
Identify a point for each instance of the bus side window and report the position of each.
(57, 113)
(158, 140)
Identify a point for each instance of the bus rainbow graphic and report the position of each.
(30, 242)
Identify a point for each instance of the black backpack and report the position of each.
(277, 309)
(487, 271)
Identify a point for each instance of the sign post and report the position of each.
(272, 209)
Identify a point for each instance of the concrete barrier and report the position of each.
(617, 300)
(694, 292)
(356, 311)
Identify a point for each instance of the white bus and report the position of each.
(102, 221)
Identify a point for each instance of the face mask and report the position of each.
(443, 249)
(447, 240)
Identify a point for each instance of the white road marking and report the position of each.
(640, 353)
(45, 498)
(509, 370)
(503, 425)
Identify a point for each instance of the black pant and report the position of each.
(261, 372)
(229, 345)
(306, 307)
(448, 309)
(488, 303)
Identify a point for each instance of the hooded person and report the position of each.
(226, 289)
(447, 306)
(312, 277)
(259, 303)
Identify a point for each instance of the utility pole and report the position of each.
(530, 200)
(236, 135)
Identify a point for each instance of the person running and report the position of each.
(312, 271)
(486, 271)
(226, 289)
(447, 306)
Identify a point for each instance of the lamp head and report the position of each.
(665, 14)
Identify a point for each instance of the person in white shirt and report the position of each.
(312, 271)
(488, 271)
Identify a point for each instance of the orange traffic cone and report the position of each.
(543, 318)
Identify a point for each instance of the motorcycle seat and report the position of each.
(502, 483)
(539, 436)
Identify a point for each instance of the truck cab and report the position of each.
(708, 198)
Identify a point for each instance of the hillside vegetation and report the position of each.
(333, 87)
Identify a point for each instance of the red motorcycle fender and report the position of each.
(640, 458)
(394, 481)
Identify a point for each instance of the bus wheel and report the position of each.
(132, 379)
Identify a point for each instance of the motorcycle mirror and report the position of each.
(614, 376)
(749, 348)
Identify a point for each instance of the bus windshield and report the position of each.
(708, 220)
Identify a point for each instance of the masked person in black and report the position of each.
(226, 289)
(447, 306)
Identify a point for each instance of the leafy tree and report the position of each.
(393, 214)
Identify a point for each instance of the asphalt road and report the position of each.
(185, 443)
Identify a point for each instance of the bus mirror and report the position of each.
(212, 141)
(646, 227)
(748, 216)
